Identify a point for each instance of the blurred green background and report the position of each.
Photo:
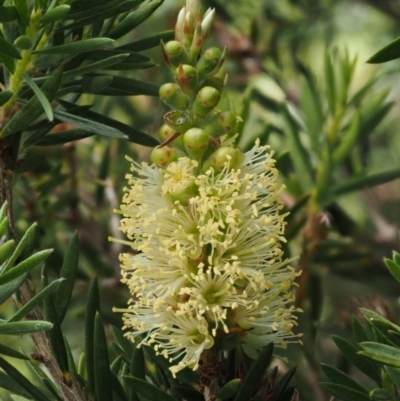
(271, 44)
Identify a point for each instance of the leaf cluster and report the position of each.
(376, 355)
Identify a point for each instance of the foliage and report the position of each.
(79, 85)
(377, 355)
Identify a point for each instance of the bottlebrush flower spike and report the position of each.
(211, 262)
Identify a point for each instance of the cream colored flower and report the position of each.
(210, 261)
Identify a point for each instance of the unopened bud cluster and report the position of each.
(194, 125)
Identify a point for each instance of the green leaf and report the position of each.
(283, 383)
(97, 14)
(133, 134)
(95, 84)
(324, 174)
(381, 394)
(29, 235)
(8, 289)
(25, 266)
(35, 301)
(396, 257)
(102, 372)
(378, 320)
(55, 14)
(344, 393)
(330, 83)
(337, 376)
(387, 53)
(255, 374)
(108, 9)
(3, 214)
(71, 364)
(3, 226)
(8, 49)
(32, 109)
(117, 387)
(229, 390)
(41, 97)
(186, 393)
(74, 48)
(116, 364)
(56, 336)
(4, 350)
(299, 155)
(89, 125)
(352, 354)
(93, 305)
(23, 11)
(22, 381)
(121, 86)
(25, 327)
(394, 375)
(93, 67)
(62, 137)
(359, 331)
(394, 268)
(11, 385)
(135, 18)
(348, 141)
(8, 13)
(6, 250)
(364, 182)
(126, 346)
(137, 363)
(149, 42)
(68, 272)
(5, 96)
(381, 353)
(151, 392)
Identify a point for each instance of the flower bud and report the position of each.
(207, 23)
(175, 53)
(224, 156)
(179, 121)
(217, 81)
(187, 78)
(172, 96)
(209, 61)
(220, 124)
(180, 21)
(166, 132)
(206, 99)
(197, 42)
(162, 157)
(23, 42)
(196, 142)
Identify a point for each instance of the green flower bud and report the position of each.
(196, 142)
(220, 124)
(172, 96)
(23, 42)
(179, 121)
(222, 157)
(187, 77)
(217, 81)
(209, 61)
(166, 132)
(162, 157)
(175, 53)
(206, 100)
(197, 42)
